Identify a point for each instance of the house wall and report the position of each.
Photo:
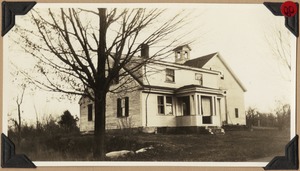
(156, 76)
(150, 115)
(234, 93)
(112, 121)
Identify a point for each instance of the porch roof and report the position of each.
(198, 88)
(192, 88)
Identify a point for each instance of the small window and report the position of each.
(170, 75)
(160, 104)
(199, 78)
(123, 107)
(90, 112)
(236, 112)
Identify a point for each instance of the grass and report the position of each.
(233, 146)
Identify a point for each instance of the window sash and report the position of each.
(90, 112)
(236, 112)
(123, 107)
(170, 75)
(160, 104)
(169, 105)
(199, 77)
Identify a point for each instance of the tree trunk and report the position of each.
(100, 90)
(19, 124)
(99, 135)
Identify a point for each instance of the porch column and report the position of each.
(192, 106)
(213, 105)
(196, 104)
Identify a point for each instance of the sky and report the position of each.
(237, 32)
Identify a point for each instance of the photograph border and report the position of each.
(167, 165)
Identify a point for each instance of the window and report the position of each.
(165, 105)
(199, 78)
(236, 112)
(123, 107)
(90, 112)
(170, 75)
(206, 105)
(169, 105)
(160, 104)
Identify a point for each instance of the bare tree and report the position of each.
(278, 39)
(19, 101)
(89, 54)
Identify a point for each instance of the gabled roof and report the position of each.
(200, 61)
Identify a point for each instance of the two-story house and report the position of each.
(190, 93)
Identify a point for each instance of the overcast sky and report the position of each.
(237, 32)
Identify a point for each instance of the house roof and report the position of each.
(180, 47)
(200, 61)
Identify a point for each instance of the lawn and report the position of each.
(233, 146)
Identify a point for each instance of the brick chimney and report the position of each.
(145, 50)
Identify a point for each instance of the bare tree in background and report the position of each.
(279, 43)
(76, 56)
(18, 122)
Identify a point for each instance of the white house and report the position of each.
(190, 93)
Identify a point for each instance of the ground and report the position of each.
(257, 145)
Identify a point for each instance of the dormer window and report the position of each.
(170, 75)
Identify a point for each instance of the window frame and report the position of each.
(160, 106)
(169, 104)
(164, 105)
(201, 79)
(236, 111)
(122, 107)
(170, 73)
(90, 112)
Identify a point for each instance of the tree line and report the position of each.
(280, 118)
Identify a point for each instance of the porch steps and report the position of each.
(215, 130)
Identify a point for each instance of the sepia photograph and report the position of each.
(180, 84)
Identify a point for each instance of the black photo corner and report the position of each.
(8, 157)
(10, 10)
(291, 159)
(11, 160)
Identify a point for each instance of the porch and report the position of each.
(200, 106)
